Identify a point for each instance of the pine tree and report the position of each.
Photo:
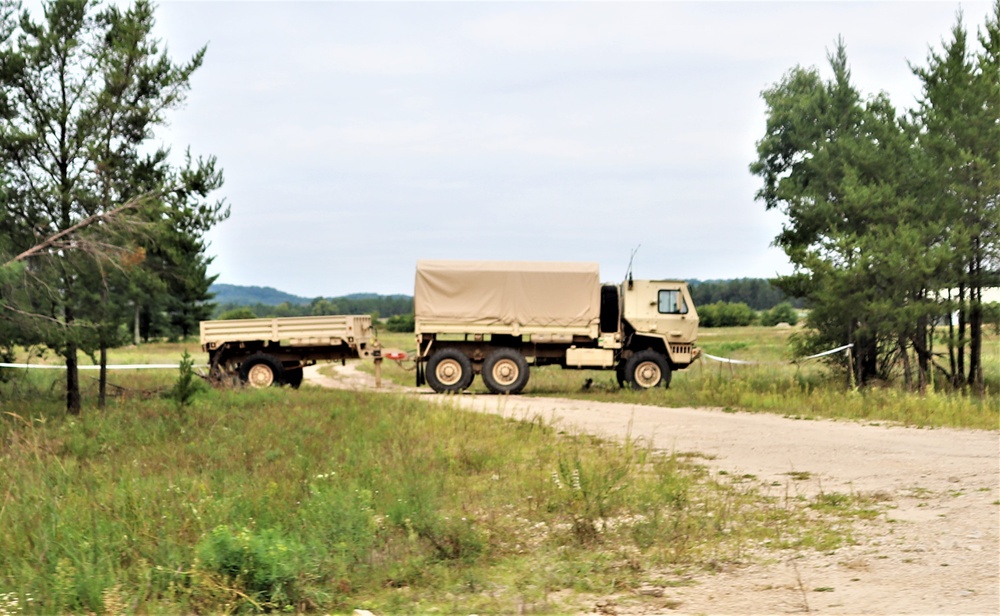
(886, 215)
(835, 165)
(959, 120)
(83, 90)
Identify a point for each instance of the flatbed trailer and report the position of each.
(273, 351)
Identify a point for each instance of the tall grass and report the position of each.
(318, 500)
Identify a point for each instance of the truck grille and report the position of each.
(680, 349)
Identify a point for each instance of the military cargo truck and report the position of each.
(497, 319)
(266, 352)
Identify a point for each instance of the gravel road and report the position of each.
(938, 552)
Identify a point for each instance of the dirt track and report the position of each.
(939, 554)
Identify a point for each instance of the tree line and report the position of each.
(101, 229)
(738, 314)
(756, 293)
(892, 216)
(376, 305)
(720, 303)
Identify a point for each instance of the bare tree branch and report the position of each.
(44, 317)
(55, 239)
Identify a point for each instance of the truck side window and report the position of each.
(671, 302)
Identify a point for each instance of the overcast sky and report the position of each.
(359, 137)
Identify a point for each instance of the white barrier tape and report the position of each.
(110, 367)
(726, 360)
(830, 352)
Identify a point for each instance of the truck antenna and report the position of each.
(628, 274)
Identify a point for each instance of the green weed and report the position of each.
(316, 500)
(258, 568)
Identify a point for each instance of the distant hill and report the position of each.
(248, 296)
(270, 302)
(238, 295)
(758, 293)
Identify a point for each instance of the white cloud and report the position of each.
(361, 136)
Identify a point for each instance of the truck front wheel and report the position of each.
(449, 370)
(505, 371)
(261, 370)
(646, 370)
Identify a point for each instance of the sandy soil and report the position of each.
(936, 552)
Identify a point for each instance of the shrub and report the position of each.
(262, 566)
(782, 313)
(991, 315)
(238, 313)
(400, 323)
(725, 314)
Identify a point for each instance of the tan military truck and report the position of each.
(497, 319)
(266, 352)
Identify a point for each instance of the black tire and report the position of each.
(293, 377)
(505, 371)
(647, 370)
(449, 371)
(262, 370)
(620, 374)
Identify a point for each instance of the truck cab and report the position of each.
(660, 314)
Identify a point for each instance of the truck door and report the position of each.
(662, 309)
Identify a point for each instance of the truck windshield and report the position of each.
(672, 302)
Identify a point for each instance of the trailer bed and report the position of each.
(354, 331)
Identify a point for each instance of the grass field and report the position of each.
(327, 501)
(317, 500)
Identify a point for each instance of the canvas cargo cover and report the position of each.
(513, 293)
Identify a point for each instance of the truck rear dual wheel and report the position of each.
(449, 371)
(647, 370)
(262, 370)
(505, 371)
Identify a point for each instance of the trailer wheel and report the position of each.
(646, 370)
(449, 370)
(293, 377)
(505, 371)
(262, 370)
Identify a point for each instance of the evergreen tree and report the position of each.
(886, 216)
(837, 166)
(83, 90)
(958, 118)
